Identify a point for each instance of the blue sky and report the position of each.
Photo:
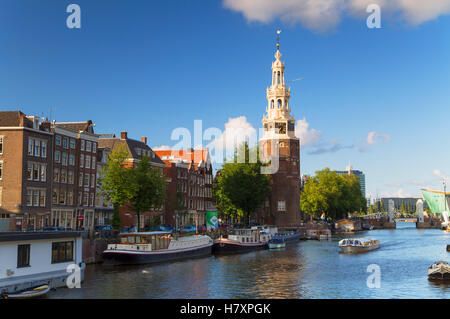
(149, 67)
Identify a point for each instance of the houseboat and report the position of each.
(243, 240)
(155, 247)
(276, 243)
(358, 245)
(32, 263)
(287, 236)
(439, 271)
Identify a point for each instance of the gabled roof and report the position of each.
(13, 118)
(196, 157)
(86, 126)
(131, 145)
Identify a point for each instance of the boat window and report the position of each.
(149, 239)
(123, 240)
(138, 239)
(131, 239)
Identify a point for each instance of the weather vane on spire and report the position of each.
(278, 38)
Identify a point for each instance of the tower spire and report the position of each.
(278, 39)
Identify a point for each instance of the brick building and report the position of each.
(189, 188)
(25, 163)
(282, 208)
(74, 175)
(103, 207)
(136, 150)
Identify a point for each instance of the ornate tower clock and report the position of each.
(283, 205)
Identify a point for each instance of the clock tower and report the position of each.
(282, 208)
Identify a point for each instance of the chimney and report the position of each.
(144, 139)
(123, 135)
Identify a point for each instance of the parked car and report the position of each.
(103, 230)
(188, 229)
(51, 228)
(163, 228)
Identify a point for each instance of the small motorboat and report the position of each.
(276, 243)
(30, 293)
(439, 271)
(358, 245)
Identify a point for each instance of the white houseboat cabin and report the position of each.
(29, 259)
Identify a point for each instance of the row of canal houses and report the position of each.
(49, 173)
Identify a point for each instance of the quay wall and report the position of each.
(434, 223)
(382, 224)
(93, 249)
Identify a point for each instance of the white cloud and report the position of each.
(237, 130)
(400, 193)
(323, 15)
(306, 135)
(440, 174)
(375, 138)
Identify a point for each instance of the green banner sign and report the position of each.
(212, 222)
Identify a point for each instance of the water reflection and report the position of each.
(309, 269)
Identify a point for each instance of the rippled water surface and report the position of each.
(307, 269)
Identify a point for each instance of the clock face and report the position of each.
(280, 127)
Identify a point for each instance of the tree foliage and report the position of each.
(333, 195)
(241, 188)
(141, 187)
(149, 186)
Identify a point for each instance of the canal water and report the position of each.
(305, 269)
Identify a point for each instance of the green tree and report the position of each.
(332, 194)
(149, 186)
(402, 208)
(241, 188)
(116, 182)
(408, 208)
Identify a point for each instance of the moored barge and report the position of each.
(244, 240)
(156, 247)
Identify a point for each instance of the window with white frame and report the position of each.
(71, 159)
(86, 180)
(80, 181)
(37, 148)
(72, 143)
(94, 147)
(30, 146)
(58, 140)
(82, 145)
(70, 177)
(92, 180)
(88, 161)
(64, 159)
(88, 146)
(57, 156)
(56, 175)
(65, 142)
(281, 206)
(93, 162)
(43, 148)
(81, 160)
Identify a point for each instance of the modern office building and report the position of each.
(361, 176)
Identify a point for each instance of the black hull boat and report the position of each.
(223, 246)
(135, 258)
(156, 247)
(244, 240)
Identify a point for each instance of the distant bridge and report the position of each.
(408, 219)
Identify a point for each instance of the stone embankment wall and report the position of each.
(429, 223)
(382, 223)
(93, 249)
